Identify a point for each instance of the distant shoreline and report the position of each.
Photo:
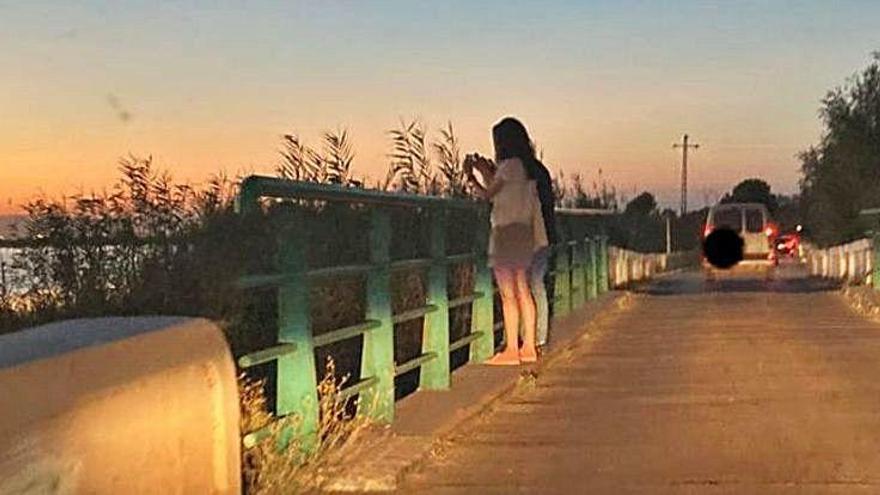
(8, 225)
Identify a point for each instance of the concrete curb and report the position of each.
(862, 299)
(426, 418)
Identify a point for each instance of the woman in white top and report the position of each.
(517, 233)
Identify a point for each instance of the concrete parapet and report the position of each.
(119, 406)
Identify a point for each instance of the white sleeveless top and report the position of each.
(517, 200)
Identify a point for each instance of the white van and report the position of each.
(753, 224)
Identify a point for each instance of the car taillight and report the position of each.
(707, 230)
(770, 230)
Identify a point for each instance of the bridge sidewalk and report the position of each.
(425, 418)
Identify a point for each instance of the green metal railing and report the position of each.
(580, 273)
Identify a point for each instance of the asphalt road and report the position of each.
(742, 385)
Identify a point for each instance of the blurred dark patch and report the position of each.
(723, 248)
(123, 114)
(67, 35)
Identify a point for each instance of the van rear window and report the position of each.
(754, 220)
(728, 219)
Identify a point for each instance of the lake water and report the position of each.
(7, 273)
(14, 278)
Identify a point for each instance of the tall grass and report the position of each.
(270, 468)
(332, 164)
(411, 164)
(450, 164)
(135, 249)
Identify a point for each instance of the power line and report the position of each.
(684, 170)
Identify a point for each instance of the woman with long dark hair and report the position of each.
(518, 232)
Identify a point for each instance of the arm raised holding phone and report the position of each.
(490, 184)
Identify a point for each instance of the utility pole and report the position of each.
(684, 170)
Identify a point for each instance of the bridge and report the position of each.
(744, 384)
(657, 380)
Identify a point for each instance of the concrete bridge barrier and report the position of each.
(852, 262)
(627, 266)
(119, 406)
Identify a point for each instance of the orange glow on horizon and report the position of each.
(85, 161)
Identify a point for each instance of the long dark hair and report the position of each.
(512, 141)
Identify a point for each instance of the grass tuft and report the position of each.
(268, 469)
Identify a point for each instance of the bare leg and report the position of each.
(507, 288)
(526, 305)
(539, 293)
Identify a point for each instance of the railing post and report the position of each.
(629, 266)
(247, 200)
(832, 263)
(875, 264)
(592, 268)
(849, 269)
(578, 272)
(603, 264)
(562, 280)
(824, 263)
(3, 287)
(482, 312)
(435, 373)
(297, 385)
(829, 264)
(612, 263)
(835, 263)
(377, 402)
(853, 265)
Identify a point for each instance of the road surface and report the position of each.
(741, 386)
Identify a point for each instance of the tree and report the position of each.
(644, 204)
(668, 212)
(788, 212)
(841, 174)
(640, 228)
(576, 194)
(752, 191)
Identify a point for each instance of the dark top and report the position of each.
(539, 173)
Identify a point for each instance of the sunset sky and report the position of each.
(210, 86)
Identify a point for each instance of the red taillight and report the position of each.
(770, 230)
(707, 230)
